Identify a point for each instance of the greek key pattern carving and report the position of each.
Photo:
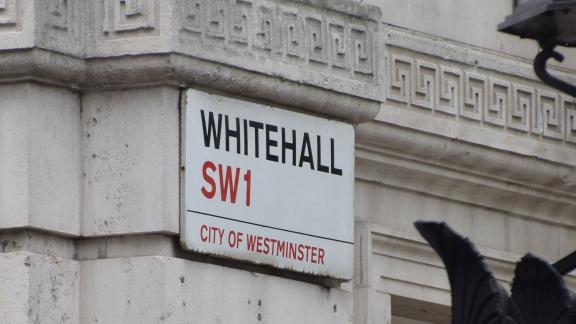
(400, 77)
(122, 18)
(524, 101)
(62, 23)
(570, 108)
(424, 92)
(281, 32)
(448, 91)
(58, 14)
(548, 116)
(10, 11)
(520, 106)
(475, 92)
(499, 100)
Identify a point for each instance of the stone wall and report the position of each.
(451, 124)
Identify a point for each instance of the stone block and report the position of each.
(131, 161)
(168, 290)
(38, 289)
(40, 160)
(371, 307)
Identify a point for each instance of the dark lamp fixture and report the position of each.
(543, 20)
(550, 23)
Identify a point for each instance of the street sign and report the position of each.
(267, 185)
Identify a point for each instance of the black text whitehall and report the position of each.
(281, 145)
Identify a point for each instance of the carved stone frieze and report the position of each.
(268, 36)
(431, 85)
(120, 17)
(62, 28)
(10, 15)
(14, 33)
(304, 46)
(475, 91)
(570, 108)
(448, 91)
(524, 102)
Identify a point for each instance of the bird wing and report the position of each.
(539, 292)
(477, 298)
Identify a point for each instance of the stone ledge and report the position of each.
(554, 173)
(37, 242)
(305, 53)
(140, 245)
(184, 71)
(360, 10)
(517, 202)
(168, 290)
(52, 290)
(455, 52)
(187, 71)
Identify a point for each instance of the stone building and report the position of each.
(450, 124)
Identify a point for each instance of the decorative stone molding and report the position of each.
(307, 46)
(449, 90)
(513, 199)
(10, 14)
(556, 177)
(403, 265)
(269, 37)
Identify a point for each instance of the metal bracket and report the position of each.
(540, 61)
(566, 264)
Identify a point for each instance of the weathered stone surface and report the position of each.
(547, 167)
(127, 246)
(456, 128)
(333, 48)
(131, 161)
(397, 191)
(40, 160)
(15, 28)
(371, 306)
(180, 70)
(168, 290)
(38, 289)
(37, 242)
(297, 40)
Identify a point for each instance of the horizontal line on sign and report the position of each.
(271, 227)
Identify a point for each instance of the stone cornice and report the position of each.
(180, 70)
(387, 253)
(312, 55)
(322, 57)
(553, 173)
(514, 200)
(452, 52)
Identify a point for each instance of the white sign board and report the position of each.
(268, 186)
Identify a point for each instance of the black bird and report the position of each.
(539, 294)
